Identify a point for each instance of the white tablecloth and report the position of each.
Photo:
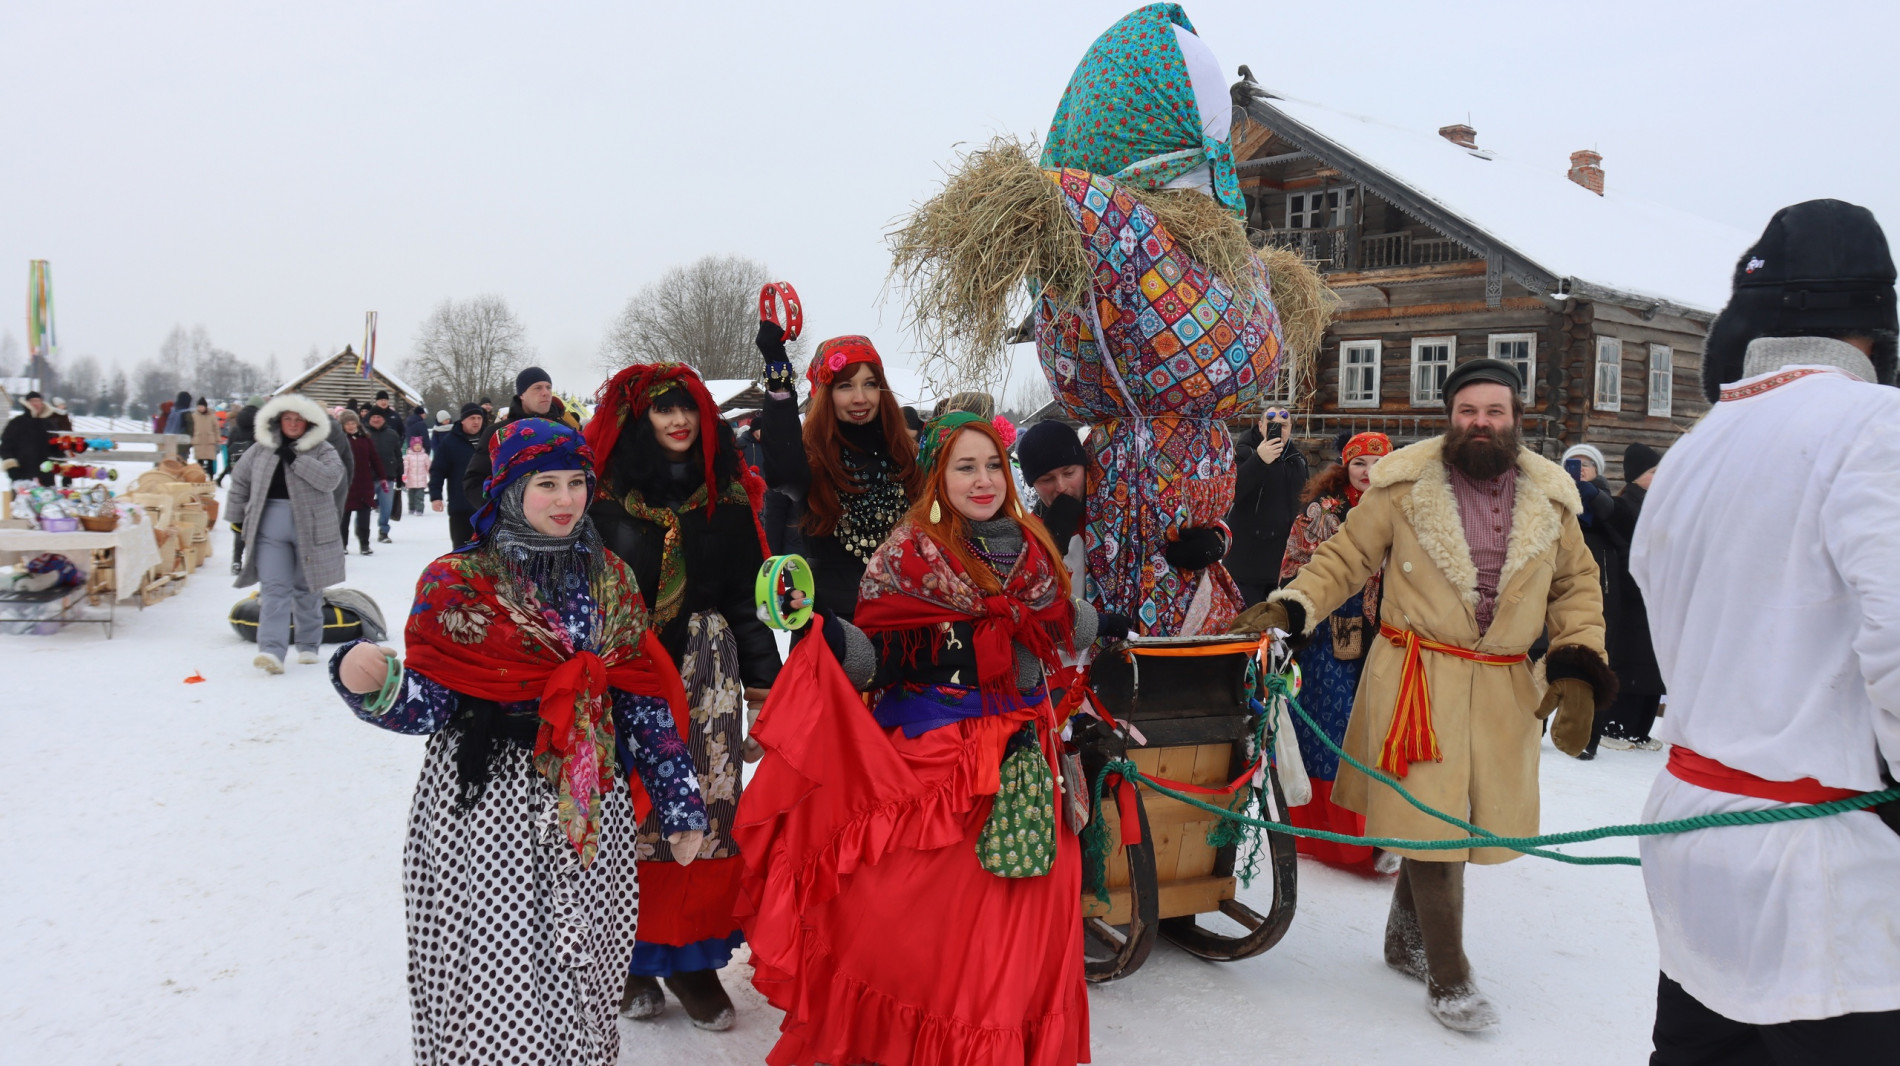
(136, 549)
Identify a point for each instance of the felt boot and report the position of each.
(704, 998)
(1404, 946)
(1438, 900)
(643, 1000)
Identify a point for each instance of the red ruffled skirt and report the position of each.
(871, 924)
(1323, 813)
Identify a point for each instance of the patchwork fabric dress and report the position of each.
(1161, 353)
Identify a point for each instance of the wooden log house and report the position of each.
(337, 380)
(1442, 251)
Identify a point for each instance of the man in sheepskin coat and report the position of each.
(1481, 548)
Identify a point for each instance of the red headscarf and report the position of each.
(840, 352)
(1363, 444)
(628, 394)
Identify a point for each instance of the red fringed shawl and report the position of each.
(463, 634)
(912, 583)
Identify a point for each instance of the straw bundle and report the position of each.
(974, 258)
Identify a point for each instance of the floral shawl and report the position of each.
(1316, 526)
(464, 633)
(671, 592)
(911, 583)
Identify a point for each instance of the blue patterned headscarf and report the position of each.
(523, 448)
(1130, 114)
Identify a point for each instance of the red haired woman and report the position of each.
(852, 462)
(913, 888)
(1332, 662)
(680, 508)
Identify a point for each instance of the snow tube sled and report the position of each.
(340, 624)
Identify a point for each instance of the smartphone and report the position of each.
(1575, 467)
(1275, 429)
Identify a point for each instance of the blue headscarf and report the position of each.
(523, 448)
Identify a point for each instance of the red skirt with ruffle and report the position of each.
(871, 924)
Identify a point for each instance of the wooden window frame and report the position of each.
(1529, 369)
(1450, 343)
(1608, 398)
(1662, 381)
(1377, 347)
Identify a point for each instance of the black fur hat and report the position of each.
(1820, 269)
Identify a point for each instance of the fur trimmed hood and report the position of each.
(312, 412)
(1543, 488)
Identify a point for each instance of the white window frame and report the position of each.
(1435, 398)
(1281, 391)
(1527, 366)
(1609, 374)
(1346, 366)
(1337, 206)
(1662, 381)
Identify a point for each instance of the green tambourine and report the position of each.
(781, 576)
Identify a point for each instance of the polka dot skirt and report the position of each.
(516, 953)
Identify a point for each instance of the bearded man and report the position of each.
(1481, 548)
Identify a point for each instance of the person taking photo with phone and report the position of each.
(1269, 474)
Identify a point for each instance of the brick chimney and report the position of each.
(1586, 169)
(1461, 135)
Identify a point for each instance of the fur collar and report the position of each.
(1432, 510)
(312, 412)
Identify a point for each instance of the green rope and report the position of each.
(1531, 845)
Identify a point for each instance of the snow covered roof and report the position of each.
(1608, 246)
(379, 370)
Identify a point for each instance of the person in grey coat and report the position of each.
(283, 509)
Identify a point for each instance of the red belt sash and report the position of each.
(1704, 772)
(1411, 737)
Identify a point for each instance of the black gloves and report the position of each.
(827, 625)
(778, 365)
(287, 452)
(1198, 548)
(1111, 627)
(1063, 519)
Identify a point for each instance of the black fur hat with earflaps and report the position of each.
(1820, 269)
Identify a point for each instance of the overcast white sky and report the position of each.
(272, 172)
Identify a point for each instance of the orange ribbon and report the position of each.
(1411, 737)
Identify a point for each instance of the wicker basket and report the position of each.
(104, 523)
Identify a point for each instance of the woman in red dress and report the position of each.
(885, 918)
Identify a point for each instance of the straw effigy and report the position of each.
(975, 258)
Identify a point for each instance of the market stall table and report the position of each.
(132, 549)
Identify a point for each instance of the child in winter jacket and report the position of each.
(415, 474)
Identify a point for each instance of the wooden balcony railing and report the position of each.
(1344, 248)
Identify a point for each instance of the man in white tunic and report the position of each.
(1769, 556)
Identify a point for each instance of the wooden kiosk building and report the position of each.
(337, 380)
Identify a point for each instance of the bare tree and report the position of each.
(154, 381)
(312, 357)
(79, 382)
(468, 348)
(704, 314)
(111, 397)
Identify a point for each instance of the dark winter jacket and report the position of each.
(835, 571)
(480, 465)
(180, 420)
(25, 444)
(241, 434)
(453, 450)
(418, 426)
(722, 557)
(1266, 501)
(390, 445)
(369, 470)
(1609, 547)
(1632, 653)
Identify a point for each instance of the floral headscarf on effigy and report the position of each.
(488, 623)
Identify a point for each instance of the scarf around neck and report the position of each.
(911, 583)
(477, 631)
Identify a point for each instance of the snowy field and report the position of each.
(210, 873)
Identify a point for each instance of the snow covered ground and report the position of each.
(209, 873)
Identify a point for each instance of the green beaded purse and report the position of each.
(1019, 839)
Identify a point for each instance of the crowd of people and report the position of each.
(592, 669)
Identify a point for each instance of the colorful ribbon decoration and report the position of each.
(1411, 737)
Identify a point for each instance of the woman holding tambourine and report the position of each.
(679, 506)
(852, 461)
